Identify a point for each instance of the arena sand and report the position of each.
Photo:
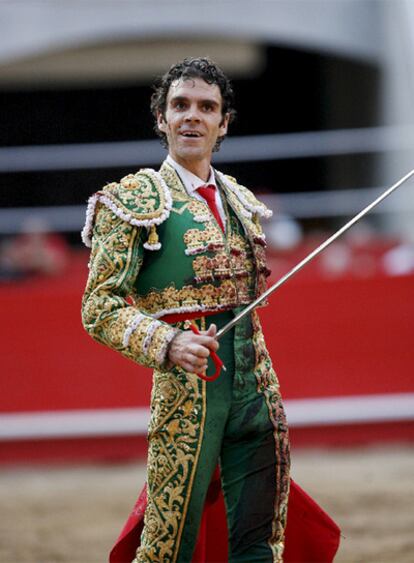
(73, 514)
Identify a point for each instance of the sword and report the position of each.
(311, 256)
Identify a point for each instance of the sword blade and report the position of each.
(312, 255)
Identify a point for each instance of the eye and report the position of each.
(208, 107)
(179, 105)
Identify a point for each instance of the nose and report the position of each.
(192, 114)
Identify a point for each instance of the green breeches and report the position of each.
(237, 421)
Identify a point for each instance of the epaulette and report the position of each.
(251, 205)
(142, 199)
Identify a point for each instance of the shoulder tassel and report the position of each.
(153, 242)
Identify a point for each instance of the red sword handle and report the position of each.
(216, 360)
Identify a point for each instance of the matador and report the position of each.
(186, 243)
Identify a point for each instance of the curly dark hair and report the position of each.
(201, 67)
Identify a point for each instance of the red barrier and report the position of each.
(326, 338)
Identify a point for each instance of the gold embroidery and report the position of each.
(268, 385)
(178, 399)
(241, 256)
(209, 269)
(137, 195)
(106, 312)
(197, 207)
(201, 240)
(180, 210)
(130, 182)
(175, 438)
(173, 181)
(202, 269)
(203, 298)
(247, 257)
(252, 250)
(247, 199)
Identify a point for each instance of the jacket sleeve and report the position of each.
(107, 314)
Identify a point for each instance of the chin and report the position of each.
(191, 154)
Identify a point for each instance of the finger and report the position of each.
(186, 340)
(189, 367)
(208, 342)
(195, 359)
(212, 330)
(198, 350)
(193, 367)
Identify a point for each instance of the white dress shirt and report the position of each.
(192, 183)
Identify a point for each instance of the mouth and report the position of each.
(190, 134)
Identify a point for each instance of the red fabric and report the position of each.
(311, 535)
(180, 317)
(209, 194)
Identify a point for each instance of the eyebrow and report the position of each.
(202, 101)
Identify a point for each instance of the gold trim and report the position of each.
(141, 190)
(195, 466)
(172, 179)
(181, 210)
(268, 385)
(276, 541)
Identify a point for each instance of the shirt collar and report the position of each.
(191, 181)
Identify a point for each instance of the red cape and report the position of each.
(311, 535)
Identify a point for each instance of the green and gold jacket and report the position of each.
(156, 251)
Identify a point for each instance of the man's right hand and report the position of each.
(191, 351)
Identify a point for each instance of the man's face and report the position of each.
(193, 120)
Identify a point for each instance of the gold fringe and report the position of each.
(153, 239)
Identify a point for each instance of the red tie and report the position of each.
(208, 193)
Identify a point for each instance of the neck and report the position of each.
(200, 168)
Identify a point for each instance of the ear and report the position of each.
(224, 125)
(162, 125)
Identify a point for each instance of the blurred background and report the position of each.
(324, 94)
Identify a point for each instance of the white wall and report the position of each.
(398, 103)
(34, 34)
(32, 27)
